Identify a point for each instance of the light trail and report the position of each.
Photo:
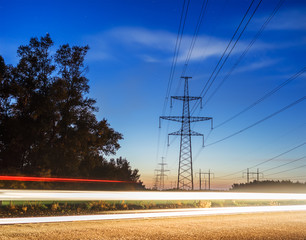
(53, 179)
(57, 195)
(155, 214)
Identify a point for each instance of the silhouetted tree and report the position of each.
(47, 122)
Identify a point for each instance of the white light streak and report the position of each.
(155, 214)
(40, 195)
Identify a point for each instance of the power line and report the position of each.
(290, 150)
(297, 177)
(238, 61)
(193, 41)
(285, 164)
(179, 36)
(287, 170)
(247, 49)
(232, 48)
(195, 105)
(264, 97)
(260, 121)
(195, 35)
(270, 159)
(256, 102)
(176, 51)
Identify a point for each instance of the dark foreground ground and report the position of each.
(287, 225)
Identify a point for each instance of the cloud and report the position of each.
(148, 58)
(258, 65)
(155, 39)
(291, 20)
(157, 46)
(164, 42)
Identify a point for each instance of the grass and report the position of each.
(51, 208)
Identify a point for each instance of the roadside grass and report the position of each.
(56, 208)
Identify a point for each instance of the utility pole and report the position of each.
(200, 179)
(248, 175)
(162, 174)
(257, 174)
(185, 169)
(209, 174)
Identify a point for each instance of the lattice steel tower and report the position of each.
(185, 170)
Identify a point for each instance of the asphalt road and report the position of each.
(284, 225)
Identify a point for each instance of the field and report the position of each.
(289, 225)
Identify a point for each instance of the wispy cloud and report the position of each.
(291, 19)
(157, 45)
(258, 65)
(155, 39)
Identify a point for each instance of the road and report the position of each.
(281, 225)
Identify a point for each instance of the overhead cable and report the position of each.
(295, 160)
(270, 159)
(176, 51)
(247, 49)
(236, 31)
(260, 121)
(264, 97)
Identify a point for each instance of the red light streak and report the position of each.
(49, 179)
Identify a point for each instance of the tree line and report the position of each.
(270, 186)
(48, 125)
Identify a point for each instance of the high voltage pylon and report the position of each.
(185, 169)
(160, 176)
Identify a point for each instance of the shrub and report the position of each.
(204, 204)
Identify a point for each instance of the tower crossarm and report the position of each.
(172, 118)
(178, 133)
(181, 118)
(191, 133)
(186, 98)
(199, 119)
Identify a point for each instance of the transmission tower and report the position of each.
(156, 181)
(161, 175)
(185, 170)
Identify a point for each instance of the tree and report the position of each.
(48, 122)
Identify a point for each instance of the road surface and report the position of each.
(283, 225)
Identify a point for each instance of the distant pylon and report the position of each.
(161, 176)
(156, 181)
(185, 169)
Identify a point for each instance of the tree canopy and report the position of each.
(48, 122)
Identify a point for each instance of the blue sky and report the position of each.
(131, 50)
